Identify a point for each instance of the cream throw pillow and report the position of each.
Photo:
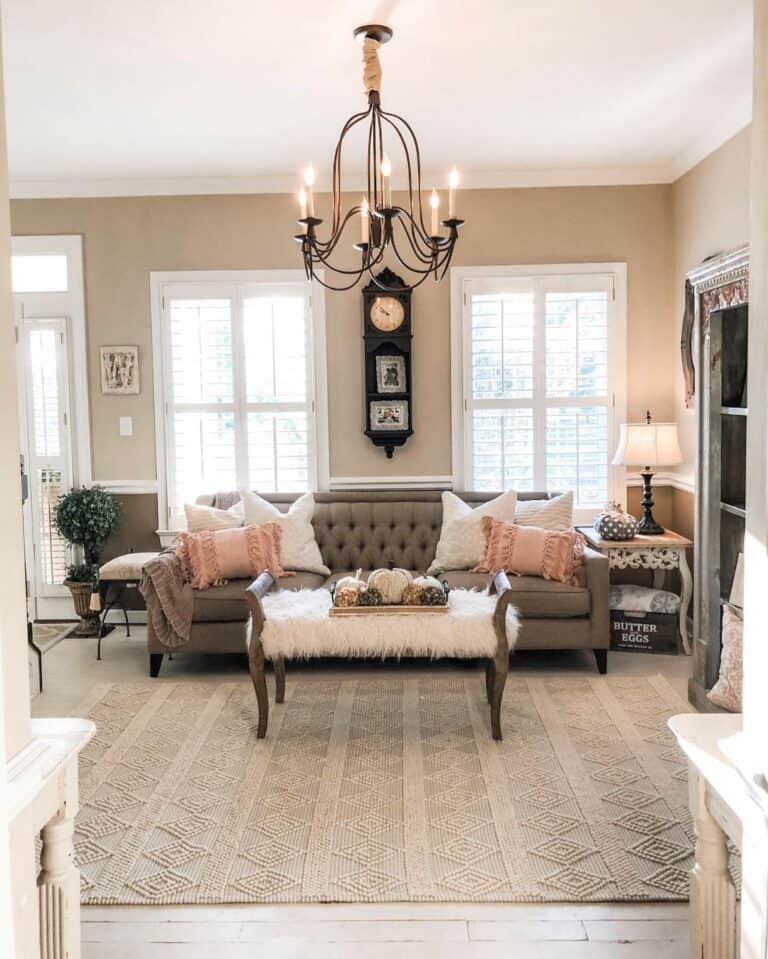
(555, 513)
(726, 692)
(299, 547)
(202, 519)
(462, 539)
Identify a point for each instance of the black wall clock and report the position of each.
(388, 371)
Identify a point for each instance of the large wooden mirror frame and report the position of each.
(719, 282)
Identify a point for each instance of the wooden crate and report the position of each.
(644, 632)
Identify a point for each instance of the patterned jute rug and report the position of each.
(384, 789)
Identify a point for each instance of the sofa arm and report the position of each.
(596, 566)
(253, 595)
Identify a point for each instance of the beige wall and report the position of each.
(125, 239)
(710, 208)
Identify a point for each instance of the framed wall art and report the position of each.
(390, 374)
(119, 369)
(389, 415)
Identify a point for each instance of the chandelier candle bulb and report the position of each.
(434, 202)
(309, 182)
(453, 183)
(386, 182)
(364, 221)
(303, 204)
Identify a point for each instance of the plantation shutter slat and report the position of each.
(240, 392)
(538, 399)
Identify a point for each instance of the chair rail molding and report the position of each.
(127, 486)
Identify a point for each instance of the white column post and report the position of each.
(712, 896)
(58, 884)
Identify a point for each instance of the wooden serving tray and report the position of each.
(400, 610)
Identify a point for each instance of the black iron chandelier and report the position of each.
(382, 224)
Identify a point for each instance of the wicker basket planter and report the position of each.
(81, 597)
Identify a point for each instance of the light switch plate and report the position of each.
(126, 426)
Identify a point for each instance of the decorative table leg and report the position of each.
(279, 665)
(259, 680)
(712, 896)
(59, 891)
(685, 599)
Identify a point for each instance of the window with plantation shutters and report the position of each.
(539, 373)
(239, 389)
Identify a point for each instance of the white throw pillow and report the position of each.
(299, 547)
(462, 541)
(555, 513)
(202, 518)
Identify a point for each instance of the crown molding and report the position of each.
(23, 189)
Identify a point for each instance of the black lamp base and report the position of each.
(648, 525)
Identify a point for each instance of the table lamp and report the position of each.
(648, 445)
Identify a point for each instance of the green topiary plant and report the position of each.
(86, 518)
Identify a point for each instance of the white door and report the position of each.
(50, 328)
(47, 450)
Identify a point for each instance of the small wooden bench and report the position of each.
(496, 652)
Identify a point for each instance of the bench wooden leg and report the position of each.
(155, 662)
(259, 680)
(500, 667)
(279, 665)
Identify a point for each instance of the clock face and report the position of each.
(387, 313)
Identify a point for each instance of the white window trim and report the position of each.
(70, 305)
(158, 281)
(617, 411)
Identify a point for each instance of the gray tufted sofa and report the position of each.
(366, 530)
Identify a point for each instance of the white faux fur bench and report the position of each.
(297, 625)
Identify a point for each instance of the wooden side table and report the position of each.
(657, 553)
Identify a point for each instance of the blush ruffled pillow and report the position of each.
(531, 551)
(213, 557)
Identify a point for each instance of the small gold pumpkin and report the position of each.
(412, 594)
(346, 596)
(391, 583)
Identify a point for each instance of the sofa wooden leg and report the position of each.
(155, 662)
(279, 679)
(258, 678)
(601, 658)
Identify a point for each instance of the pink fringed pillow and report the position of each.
(213, 557)
(531, 551)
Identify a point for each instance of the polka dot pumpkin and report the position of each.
(614, 523)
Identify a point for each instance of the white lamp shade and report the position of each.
(648, 444)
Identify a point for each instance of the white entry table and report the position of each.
(726, 804)
(658, 553)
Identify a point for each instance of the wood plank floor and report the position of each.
(359, 931)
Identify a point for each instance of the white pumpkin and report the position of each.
(425, 582)
(390, 583)
(355, 582)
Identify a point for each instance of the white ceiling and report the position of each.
(134, 96)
